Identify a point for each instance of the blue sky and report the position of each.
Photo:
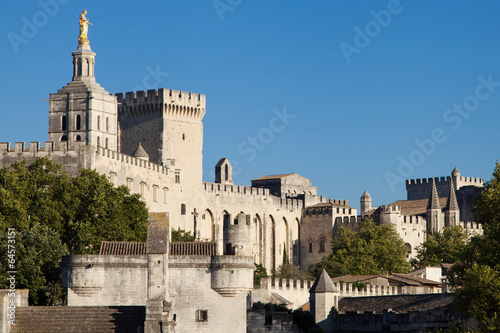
(354, 95)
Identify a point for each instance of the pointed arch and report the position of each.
(273, 243)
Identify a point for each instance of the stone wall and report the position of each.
(105, 280)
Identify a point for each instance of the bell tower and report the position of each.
(83, 111)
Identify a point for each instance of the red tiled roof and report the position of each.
(123, 248)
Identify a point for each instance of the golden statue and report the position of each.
(84, 28)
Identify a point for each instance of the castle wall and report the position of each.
(143, 128)
(413, 321)
(421, 188)
(465, 198)
(73, 159)
(105, 280)
(274, 221)
(190, 289)
(319, 226)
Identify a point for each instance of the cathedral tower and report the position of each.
(83, 111)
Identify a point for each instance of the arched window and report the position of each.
(98, 142)
(78, 122)
(183, 209)
(98, 123)
(106, 143)
(107, 124)
(322, 242)
(408, 248)
(64, 123)
(64, 138)
(78, 138)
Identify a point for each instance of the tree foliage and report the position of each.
(446, 246)
(54, 214)
(477, 278)
(181, 235)
(372, 250)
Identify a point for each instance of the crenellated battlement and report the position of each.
(290, 204)
(413, 219)
(339, 202)
(298, 290)
(346, 221)
(472, 227)
(438, 180)
(388, 209)
(168, 101)
(35, 150)
(328, 210)
(33, 147)
(229, 189)
(420, 188)
(111, 154)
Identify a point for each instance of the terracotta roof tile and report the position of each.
(123, 248)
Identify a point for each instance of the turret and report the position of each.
(237, 235)
(224, 172)
(140, 153)
(366, 203)
(323, 296)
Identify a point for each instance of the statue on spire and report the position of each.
(84, 28)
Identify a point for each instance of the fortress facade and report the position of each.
(152, 142)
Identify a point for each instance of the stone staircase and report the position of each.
(79, 319)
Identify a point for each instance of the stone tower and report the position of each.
(224, 172)
(237, 235)
(434, 212)
(323, 296)
(366, 203)
(83, 111)
(168, 123)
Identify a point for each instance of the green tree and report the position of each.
(54, 214)
(38, 253)
(259, 272)
(372, 250)
(181, 235)
(446, 246)
(477, 278)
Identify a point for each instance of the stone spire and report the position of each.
(455, 172)
(435, 216)
(433, 199)
(452, 211)
(323, 284)
(452, 198)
